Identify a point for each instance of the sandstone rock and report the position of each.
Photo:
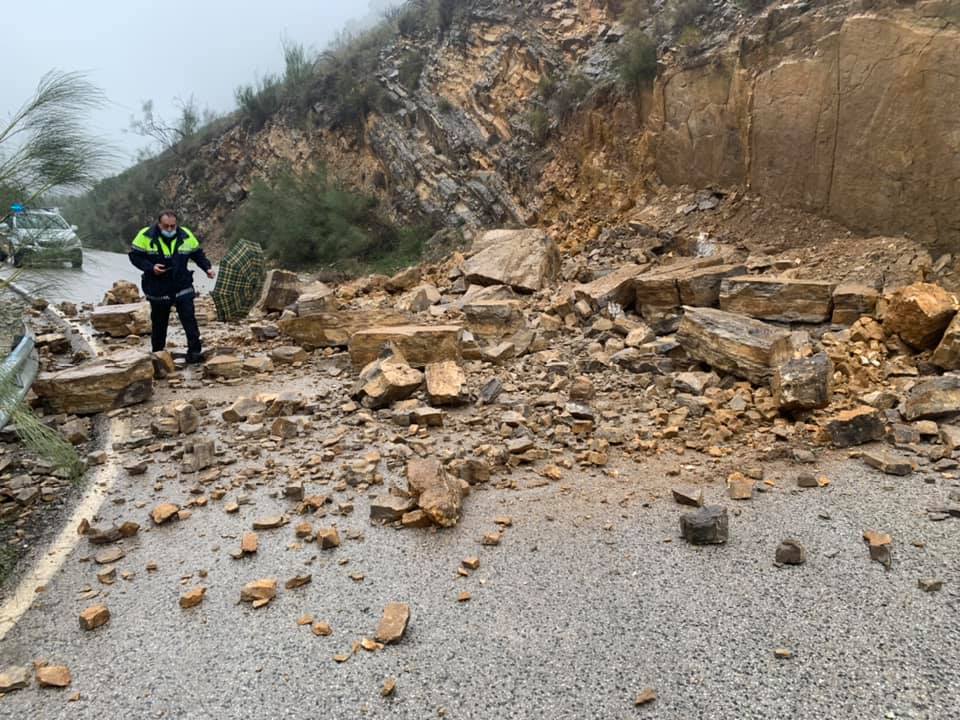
(386, 381)
(259, 592)
(778, 298)
(930, 584)
(422, 298)
(288, 354)
(880, 545)
(390, 508)
(54, 676)
(280, 289)
(328, 538)
(93, 617)
(163, 364)
(860, 425)
(122, 292)
(416, 519)
(121, 320)
(919, 314)
(15, 677)
(76, 432)
(933, 398)
(404, 279)
(176, 418)
(645, 697)
(435, 492)
(526, 260)
(706, 526)
(270, 522)
(947, 354)
(686, 496)
(419, 344)
(119, 380)
(739, 486)
(192, 598)
(56, 343)
(393, 623)
(851, 301)
(803, 383)
(334, 329)
(446, 383)
(242, 408)
(732, 343)
(700, 287)
(316, 298)
(790, 552)
(223, 366)
(617, 287)
(163, 513)
(888, 462)
(284, 428)
(493, 319)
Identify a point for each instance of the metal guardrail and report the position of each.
(22, 365)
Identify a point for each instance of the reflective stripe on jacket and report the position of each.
(150, 248)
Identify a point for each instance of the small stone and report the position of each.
(249, 543)
(94, 616)
(790, 552)
(259, 591)
(888, 462)
(328, 538)
(393, 623)
(389, 687)
(321, 629)
(645, 697)
(390, 508)
(53, 676)
(855, 427)
(739, 486)
(708, 525)
(162, 513)
(783, 653)
(111, 555)
(688, 496)
(297, 581)
(492, 538)
(471, 563)
(13, 678)
(880, 546)
(192, 598)
(807, 480)
(269, 523)
(929, 584)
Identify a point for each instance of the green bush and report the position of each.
(539, 122)
(636, 63)
(306, 220)
(569, 95)
(260, 101)
(411, 68)
(686, 12)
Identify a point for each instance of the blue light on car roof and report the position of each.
(17, 208)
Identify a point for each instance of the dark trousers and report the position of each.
(160, 317)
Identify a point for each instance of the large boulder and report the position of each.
(851, 301)
(778, 298)
(436, 492)
(123, 292)
(280, 289)
(947, 354)
(122, 379)
(334, 329)
(446, 383)
(419, 344)
(316, 298)
(661, 292)
(526, 260)
(122, 320)
(803, 383)
(919, 314)
(618, 287)
(386, 380)
(493, 318)
(733, 343)
(933, 398)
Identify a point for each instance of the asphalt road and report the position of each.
(88, 283)
(590, 598)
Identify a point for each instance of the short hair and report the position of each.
(171, 213)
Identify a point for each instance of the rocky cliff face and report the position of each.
(842, 109)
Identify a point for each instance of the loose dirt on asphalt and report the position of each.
(590, 597)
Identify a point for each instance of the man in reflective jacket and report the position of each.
(162, 253)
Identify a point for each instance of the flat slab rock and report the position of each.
(933, 398)
(121, 320)
(888, 462)
(419, 344)
(778, 298)
(857, 426)
(733, 343)
(119, 380)
(334, 329)
(526, 260)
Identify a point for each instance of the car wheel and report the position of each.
(18, 259)
(77, 262)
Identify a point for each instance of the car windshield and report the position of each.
(38, 221)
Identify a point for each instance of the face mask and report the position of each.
(169, 234)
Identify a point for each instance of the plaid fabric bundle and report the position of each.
(239, 280)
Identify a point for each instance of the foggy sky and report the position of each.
(137, 50)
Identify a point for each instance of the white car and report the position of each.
(39, 235)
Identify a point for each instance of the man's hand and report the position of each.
(159, 269)
(210, 273)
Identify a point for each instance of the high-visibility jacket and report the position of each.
(151, 248)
